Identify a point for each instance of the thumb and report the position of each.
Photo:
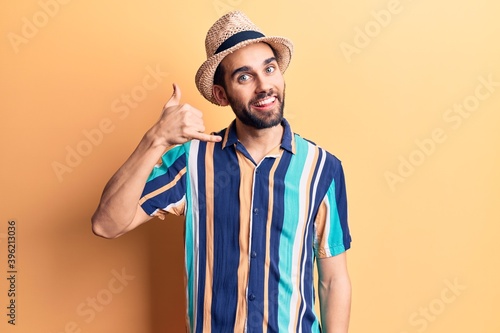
(175, 98)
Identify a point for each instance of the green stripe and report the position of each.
(189, 244)
(335, 240)
(291, 211)
(167, 161)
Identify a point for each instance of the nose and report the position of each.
(263, 84)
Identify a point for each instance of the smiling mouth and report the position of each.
(263, 103)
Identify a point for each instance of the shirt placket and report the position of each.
(257, 242)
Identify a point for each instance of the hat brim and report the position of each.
(204, 79)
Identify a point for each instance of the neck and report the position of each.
(259, 142)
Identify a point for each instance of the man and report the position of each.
(261, 203)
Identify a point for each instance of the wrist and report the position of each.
(154, 140)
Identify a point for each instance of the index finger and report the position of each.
(207, 137)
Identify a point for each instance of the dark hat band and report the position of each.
(238, 38)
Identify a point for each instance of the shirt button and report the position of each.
(251, 297)
(255, 211)
(254, 254)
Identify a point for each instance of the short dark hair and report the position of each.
(219, 76)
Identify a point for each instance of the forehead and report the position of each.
(252, 55)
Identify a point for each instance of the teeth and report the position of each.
(265, 101)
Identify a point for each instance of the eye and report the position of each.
(270, 69)
(243, 78)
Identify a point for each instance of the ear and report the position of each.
(219, 94)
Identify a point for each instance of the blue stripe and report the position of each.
(306, 261)
(339, 238)
(202, 234)
(306, 320)
(259, 213)
(226, 240)
(278, 220)
(341, 198)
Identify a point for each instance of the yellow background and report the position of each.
(425, 246)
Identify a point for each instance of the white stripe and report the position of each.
(298, 235)
(314, 188)
(176, 204)
(193, 174)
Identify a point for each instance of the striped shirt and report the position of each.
(252, 231)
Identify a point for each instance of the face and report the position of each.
(254, 86)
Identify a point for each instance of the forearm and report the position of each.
(335, 304)
(120, 198)
(118, 209)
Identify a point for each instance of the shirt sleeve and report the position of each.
(332, 235)
(165, 189)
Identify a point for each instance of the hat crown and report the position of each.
(225, 27)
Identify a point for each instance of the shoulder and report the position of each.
(305, 146)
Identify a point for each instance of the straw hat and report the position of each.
(228, 34)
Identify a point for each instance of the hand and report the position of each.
(180, 123)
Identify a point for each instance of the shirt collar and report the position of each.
(287, 142)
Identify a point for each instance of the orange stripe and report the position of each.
(209, 197)
(163, 188)
(320, 229)
(268, 244)
(245, 193)
(226, 136)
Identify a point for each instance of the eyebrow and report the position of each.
(248, 68)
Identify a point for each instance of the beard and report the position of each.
(258, 120)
